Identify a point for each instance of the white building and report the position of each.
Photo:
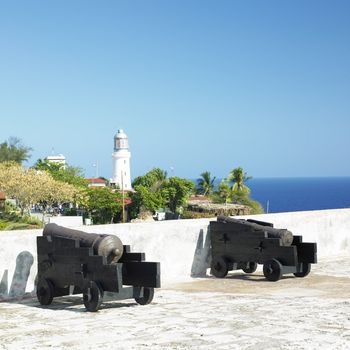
(121, 161)
(58, 159)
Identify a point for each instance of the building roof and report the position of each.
(120, 134)
(56, 157)
(96, 180)
(127, 201)
(2, 195)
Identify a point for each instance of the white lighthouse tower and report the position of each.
(121, 161)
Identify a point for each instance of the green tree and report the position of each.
(205, 184)
(144, 199)
(240, 192)
(238, 177)
(153, 179)
(224, 190)
(45, 165)
(148, 195)
(154, 191)
(176, 191)
(64, 173)
(103, 204)
(255, 206)
(13, 150)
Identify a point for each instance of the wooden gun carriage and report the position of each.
(75, 262)
(242, 244)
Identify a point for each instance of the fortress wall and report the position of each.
(180, 245)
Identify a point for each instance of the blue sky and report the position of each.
(196, 85)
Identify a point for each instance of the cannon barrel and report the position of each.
(251, 226)
(109, 246)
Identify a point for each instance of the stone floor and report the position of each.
(238, 312)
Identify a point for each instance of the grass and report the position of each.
(10, 225)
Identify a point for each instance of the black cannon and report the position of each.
(242, 244)
(75, 262)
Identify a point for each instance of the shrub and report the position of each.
(3, 225)
(255, 207)
(33, 221)
(70, 212)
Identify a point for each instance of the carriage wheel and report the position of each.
(305, 270)
(219, 267)
(92, 297)
(272, 270)
(250, 267)
(44, 291)
(148, 294)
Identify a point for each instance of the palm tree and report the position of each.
(153, 179)
(13, 150)
(159, 174)
(238, 177)
(205, 184)
(224, 190)
(159, 177)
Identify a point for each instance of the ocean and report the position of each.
(297, 194)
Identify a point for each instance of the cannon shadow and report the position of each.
(75, 304)
(17, 289)
(249, 277)
(202, 255)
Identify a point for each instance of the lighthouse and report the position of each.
(121, 161)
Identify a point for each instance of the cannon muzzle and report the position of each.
(109, 246)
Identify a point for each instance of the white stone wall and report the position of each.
(174, 243)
